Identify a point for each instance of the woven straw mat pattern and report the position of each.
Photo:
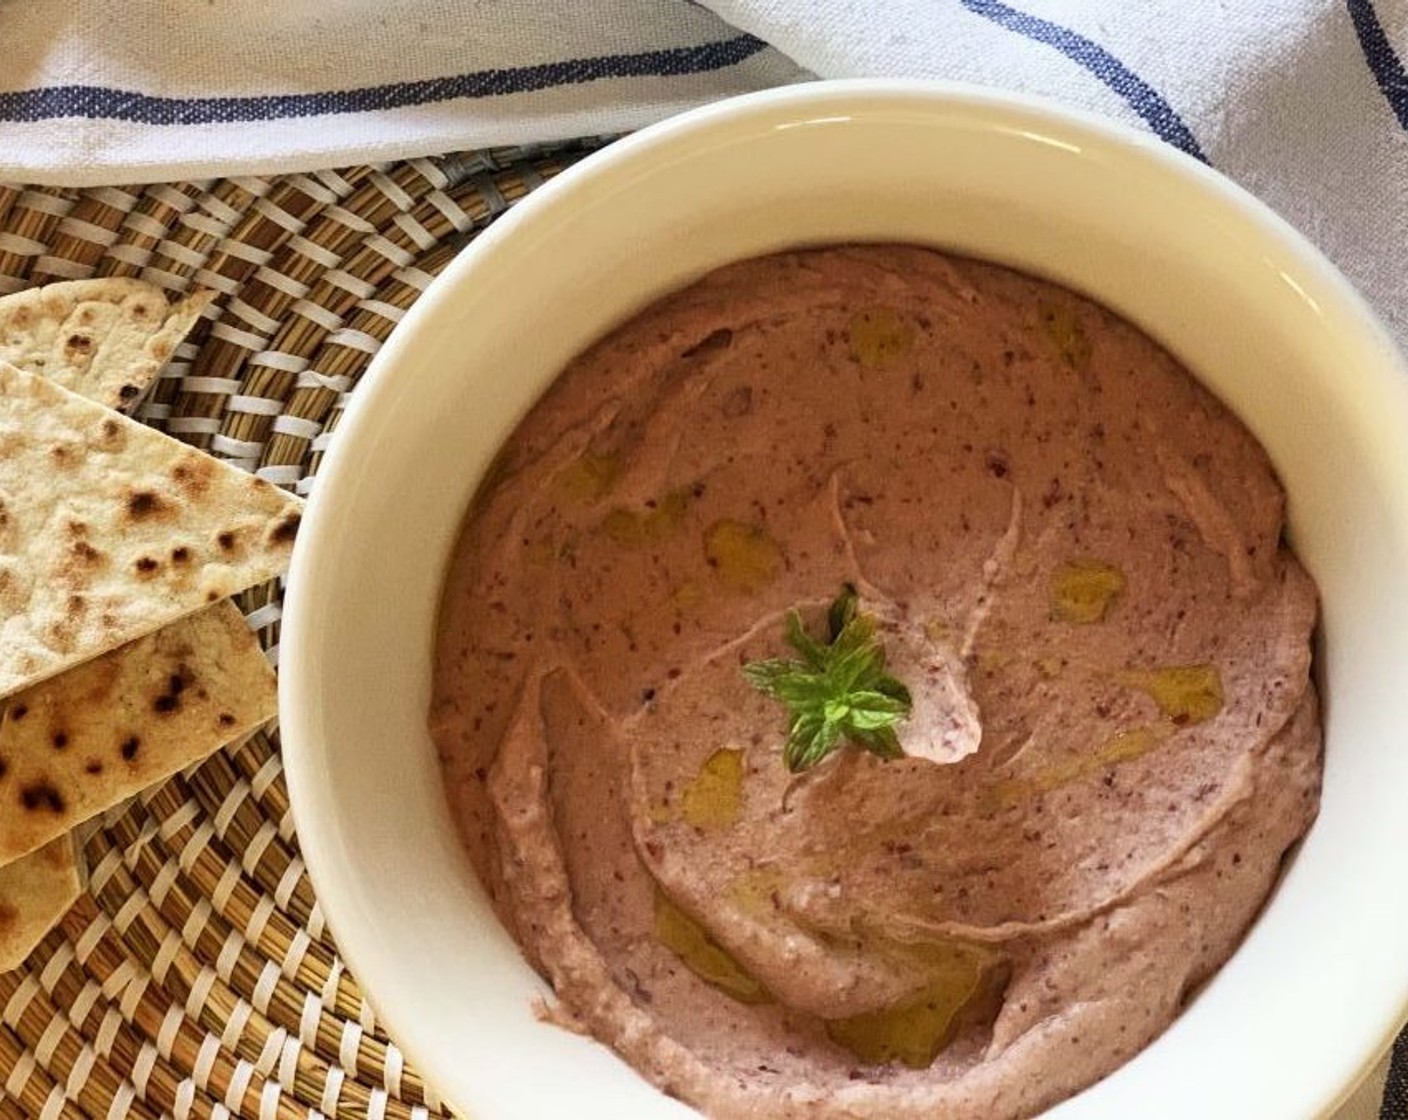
(197, 978)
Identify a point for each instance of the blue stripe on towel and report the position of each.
(99, 102)
(1139, 94)
(1378, 53)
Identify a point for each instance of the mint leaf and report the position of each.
(839, 692)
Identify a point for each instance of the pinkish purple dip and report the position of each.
(1073, 554)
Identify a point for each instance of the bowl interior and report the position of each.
(1314, 994)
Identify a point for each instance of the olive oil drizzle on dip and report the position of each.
(962, 859)
(963, 981)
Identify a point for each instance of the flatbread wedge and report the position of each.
(78, 744)
(109, 529)
(106, 338)
(35, 892)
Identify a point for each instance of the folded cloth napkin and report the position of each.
(1304, 102)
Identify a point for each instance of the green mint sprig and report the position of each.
(839, 692)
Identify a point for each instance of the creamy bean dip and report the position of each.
(1070, 554)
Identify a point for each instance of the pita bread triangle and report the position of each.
(79, 743)
(35, 892)
(106, 338)
(110, 530)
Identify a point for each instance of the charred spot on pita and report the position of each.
(176, 684)
(42, 795)
(110, 437)
(286, 529)
(144, 503)
(193, 474)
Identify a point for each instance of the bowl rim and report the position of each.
(317, 841)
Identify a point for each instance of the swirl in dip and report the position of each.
(1072, 553)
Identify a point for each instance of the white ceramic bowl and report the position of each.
(1311, 998)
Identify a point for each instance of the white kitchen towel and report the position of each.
(109, 91)
(1305, 102)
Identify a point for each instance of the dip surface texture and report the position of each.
(1072, 554)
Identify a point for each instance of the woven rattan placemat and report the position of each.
(197, 979)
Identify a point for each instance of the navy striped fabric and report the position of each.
(100, 103)
(1385, 65)
(1141, 97)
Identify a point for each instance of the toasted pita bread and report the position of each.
(110, 530)
(35, 892)
(83, 741)
(105, 339)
